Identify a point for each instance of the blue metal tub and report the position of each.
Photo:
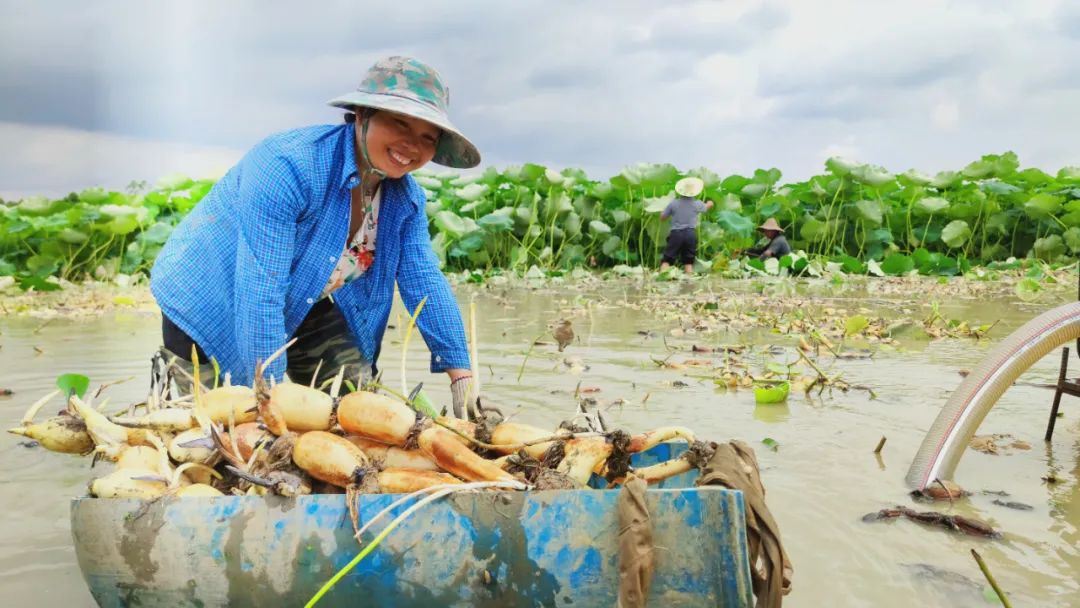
(554, 548)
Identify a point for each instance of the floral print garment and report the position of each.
(360, 253)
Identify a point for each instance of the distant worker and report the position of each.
(777, 245)
(683, 212)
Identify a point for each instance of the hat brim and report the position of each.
(689, 188)
(454, 149)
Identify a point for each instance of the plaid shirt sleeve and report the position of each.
(440, 321)
(271, 198)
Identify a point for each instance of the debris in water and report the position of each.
(984, 444)
(575, 365)
(6, 392)
(956, 523)
(946, 578)
(997, 443)
(697, 363)
(852, 355)
(1019, 506)
(29, 444)
(940, 490)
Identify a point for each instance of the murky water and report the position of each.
(820, 481)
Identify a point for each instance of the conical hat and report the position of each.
(689, 186)
(770, 224)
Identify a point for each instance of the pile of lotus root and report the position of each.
(291, 439)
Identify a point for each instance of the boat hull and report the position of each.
(551, 548)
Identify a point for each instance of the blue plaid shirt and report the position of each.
(244, 268)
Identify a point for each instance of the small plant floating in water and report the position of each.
(771, 393)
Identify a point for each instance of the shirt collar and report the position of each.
(349, 175)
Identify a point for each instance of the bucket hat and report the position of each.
(689, 186)
(770, 224)
(408, 86)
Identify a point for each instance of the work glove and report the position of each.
(459, 392)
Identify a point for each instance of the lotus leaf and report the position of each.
(956, 233)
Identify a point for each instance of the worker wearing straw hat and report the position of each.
(777, 245)
(683, 212)
(284, 245)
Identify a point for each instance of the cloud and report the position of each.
(53, 161)
(1068, 20)
(730, 85)
(946, 114)
(709, 27)
(567, 77)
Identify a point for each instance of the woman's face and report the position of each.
(398, 144)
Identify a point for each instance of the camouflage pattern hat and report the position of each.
(411, 87)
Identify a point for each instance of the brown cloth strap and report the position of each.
(636, 562)
(733, 465)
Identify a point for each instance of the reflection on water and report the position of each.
(772, 413)
(822, 478)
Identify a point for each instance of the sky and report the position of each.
(108, 92)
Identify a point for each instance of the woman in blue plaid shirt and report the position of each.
(307, 235)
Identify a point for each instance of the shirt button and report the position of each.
(332, 260)
(438, 359)
(310, 301)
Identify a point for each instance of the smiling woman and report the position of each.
(397, 142)
(284, 246)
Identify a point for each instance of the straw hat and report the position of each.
(689, 186)
(770, 224)
(408, 86)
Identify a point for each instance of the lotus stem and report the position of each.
(516, 446)
(405, 345)
(474, 354)
(990, 579)
(532, 344)
(28, 417)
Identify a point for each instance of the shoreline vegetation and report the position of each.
(859, 218)
(1034, 284)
